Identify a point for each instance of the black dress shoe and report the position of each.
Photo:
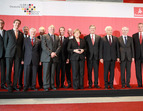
(10, 89)
(54, 88)
(3, 87)
(139, 86)
(25, 89)
(111, 87)
(90, 86)
(106, 88)
(15, 88)
(128, 86)
(20, 86)
(41, 87)
(46, 89)
(69, 85)
(34, 89)
(96, 86)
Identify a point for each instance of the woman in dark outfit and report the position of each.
(77, 49)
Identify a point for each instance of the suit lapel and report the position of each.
(107, 39)
(29, 42)
(122, 41)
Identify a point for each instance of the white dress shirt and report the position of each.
(1, 33)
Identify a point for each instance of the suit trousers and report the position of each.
(30, 74)
(3, 70)
(49, 69)
(93, 64)
(78, 73)
(9, 64)
(125, 65)
(138, 64)
(109, 67)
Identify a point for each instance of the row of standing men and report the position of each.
(54, 53)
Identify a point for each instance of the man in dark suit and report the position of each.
(13, 53)
(40, 80)
(32, 51)
(126, 47)
(92, 43)
(2, 53)
(138, 47)
(25, 34)
(49, 57)
(109, 53)
(63, 55)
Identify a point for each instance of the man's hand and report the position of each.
(40, 63)
(101, 60)
(133, 59)
(53, 54)
(22, 62)
(67, 62)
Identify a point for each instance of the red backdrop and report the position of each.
(83, 24)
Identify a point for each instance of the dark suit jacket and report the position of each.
(13, 47)
(109, 52)
(138, 48)
(48, 46)
(74, 45)
(2, 50)
(126, 51)
(63, 52)
(32, 53)
(92, 50)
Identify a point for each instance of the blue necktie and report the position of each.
(125, 40)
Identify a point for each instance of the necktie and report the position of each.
(32, 42)
(110, 40)
(125, 40)
(16, 34)
(61, 40)
(140, 38)
(92, 40)
(52, 36)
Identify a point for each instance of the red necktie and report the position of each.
(92, 39)
(140, 38)
(32, 42)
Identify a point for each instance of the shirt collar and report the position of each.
(33, 38)
(15, 30)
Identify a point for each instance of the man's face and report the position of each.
(109, 31)
(125, 31)
(70, 32)
(51, 30)
(42, 31)
(1, 24)
(140, 27)
(32, 33)
(62, 31)
(92, 30)
(16, 24)
(26, 31)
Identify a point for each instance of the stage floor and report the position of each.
(70, 93)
